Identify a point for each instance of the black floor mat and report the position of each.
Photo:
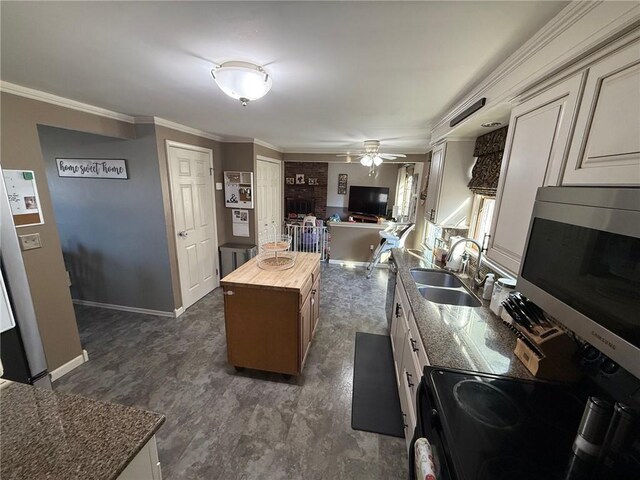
(375, 406)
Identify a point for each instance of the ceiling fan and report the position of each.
(371, 157)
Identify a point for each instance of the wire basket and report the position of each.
(274, 253)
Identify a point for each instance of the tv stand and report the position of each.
(364, 217)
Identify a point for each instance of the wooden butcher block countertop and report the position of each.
(251, 275)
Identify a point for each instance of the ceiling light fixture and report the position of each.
(491, 124)
(242, 81)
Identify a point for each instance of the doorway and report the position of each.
(268, 194)
(193, 205)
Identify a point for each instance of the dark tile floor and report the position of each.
(227, 425)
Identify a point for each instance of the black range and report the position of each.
(489, 427)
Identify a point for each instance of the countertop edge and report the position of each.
(516, 368)
(140, 444)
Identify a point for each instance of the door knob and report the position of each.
(183, 234)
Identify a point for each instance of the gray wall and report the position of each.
(113, 232)
(386, 176)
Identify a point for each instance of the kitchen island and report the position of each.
(45, 434)
(271, 316)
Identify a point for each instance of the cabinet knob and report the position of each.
(229, 292)
(413, 345)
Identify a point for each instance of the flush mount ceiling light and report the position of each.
(243, 81)
(491, 124)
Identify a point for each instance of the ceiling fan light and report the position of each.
(242, 80)
(366, 161)
(377, 160)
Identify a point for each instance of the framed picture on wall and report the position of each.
(299, 178)
(342, 183)
(290, 181)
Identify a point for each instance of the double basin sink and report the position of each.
(439, 286)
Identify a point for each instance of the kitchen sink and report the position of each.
(435, 278)
(449, 297)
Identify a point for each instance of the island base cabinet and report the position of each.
(145, 465)
(271, 328)
(262, 329)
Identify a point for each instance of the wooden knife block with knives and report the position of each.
(545, 349)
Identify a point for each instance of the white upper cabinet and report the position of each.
(448, 197)
(536, 145)
(606, 146)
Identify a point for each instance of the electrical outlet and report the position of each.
(218, 185)
(371, 247)
(29, 242)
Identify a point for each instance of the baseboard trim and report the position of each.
(350, 263)
(62, 370)
(178, 311)
(124, 308)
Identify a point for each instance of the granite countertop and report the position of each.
(455, 336)
(44, 434)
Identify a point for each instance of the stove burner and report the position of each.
(510, 468)
(544, 407)
(486, 404)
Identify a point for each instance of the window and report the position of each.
(481, 217)
(406, 193)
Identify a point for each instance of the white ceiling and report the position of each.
(342, 72)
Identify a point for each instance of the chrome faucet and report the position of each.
(474, 280)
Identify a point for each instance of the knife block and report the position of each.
(547, 353)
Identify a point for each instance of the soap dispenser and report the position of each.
(488, 286)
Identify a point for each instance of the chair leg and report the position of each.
(373, 263)
(375, 257)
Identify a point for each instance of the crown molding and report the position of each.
(343, 151)
(569, 16)
(185, 129)
(262, 143)
(33, 94)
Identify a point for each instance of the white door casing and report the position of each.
(193, 205)
(268, 194)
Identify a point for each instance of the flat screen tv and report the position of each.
(371, 200)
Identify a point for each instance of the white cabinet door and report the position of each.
(606, 146)
(433, 186)
(145, 465)
(536, 144)
(398, 332)
(448, 197)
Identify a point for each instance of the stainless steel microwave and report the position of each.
(581, 264)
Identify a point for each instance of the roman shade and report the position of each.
(486, 171)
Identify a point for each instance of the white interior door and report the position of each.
(191, 175)
(269, 194)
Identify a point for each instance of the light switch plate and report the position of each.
(29, 242)
(218, 185)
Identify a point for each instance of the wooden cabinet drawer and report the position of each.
(316, 273)
(304, 291)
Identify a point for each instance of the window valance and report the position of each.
(486, 171)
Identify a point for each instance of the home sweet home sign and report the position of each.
(92, 168)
